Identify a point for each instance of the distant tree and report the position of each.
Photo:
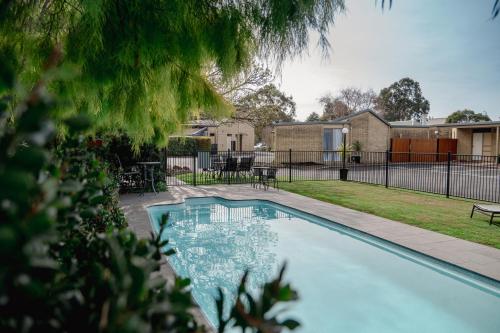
(265, 106)
(248, 81)
(356, 99)
(403, 100)
(467, 116)
(313, 117)
(333, 108)
(348, 100)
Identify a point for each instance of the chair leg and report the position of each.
(472, 213)
(491, 218)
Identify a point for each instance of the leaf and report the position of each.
(70, 186)
(291, 324)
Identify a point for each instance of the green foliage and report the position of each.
(179, 145)
(264, 107)
(403, 100)
(357, 146)
(67, 261)
(251, 312)
(140, 65)
(313, 117)
(467, 116)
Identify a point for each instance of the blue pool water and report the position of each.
(347, 281)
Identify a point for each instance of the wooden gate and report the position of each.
(422, 150)
(445, 146)
(400, 149)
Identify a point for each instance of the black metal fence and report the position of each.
(467, 176)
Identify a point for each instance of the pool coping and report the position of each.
(473, 257)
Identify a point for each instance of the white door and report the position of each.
(477, 145)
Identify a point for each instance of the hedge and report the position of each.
(191, 144)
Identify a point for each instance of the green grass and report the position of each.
(427, 211)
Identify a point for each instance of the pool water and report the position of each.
(347, 281)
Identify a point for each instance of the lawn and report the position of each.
(428, 211)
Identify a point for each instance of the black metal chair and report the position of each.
(245, 166)
(128, 177)
(230, 167)
(270, 176)
(215, 165)
(256, 174)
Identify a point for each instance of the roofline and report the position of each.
(336, 121)
(479, 123)
(321, 122)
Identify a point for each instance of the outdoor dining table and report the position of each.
(149, 167)
(262, 170)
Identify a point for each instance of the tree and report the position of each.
(265, 106)
(313, 117)
(467, 116)
(348, 100)
(248, 81)
(357, 100)
(141, 65)
(333, 108)
(403, 100)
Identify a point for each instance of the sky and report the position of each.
(451, 47)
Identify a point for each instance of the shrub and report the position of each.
(67, 261)
(180, 145)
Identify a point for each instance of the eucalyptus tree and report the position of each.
(140, 65)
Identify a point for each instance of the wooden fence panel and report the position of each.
(423, 150)
(445, 146)
(400, 149)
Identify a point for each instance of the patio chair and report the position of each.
(256, 174)
(128, 177)
(230, 167)
(270, 176)
(245, 166)
(215, 165)
(490, 210)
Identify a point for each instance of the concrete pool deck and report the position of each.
(478, 258)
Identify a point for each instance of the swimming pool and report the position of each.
(347, 280)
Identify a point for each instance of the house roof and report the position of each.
(458, 125)
(340, 120)
(204, 123)
(432, 121)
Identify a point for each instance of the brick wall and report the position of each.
(298, 137)
(378, 135)
(234, 129)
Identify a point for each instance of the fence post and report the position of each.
(165, 165)
(290, 165)
(228, 173)
(386, 168)
(448, 175)
(194, 168)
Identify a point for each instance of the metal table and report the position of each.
(262, 170)
(149, 167)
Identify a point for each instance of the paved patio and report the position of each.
(475, 257)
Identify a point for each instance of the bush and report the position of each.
(180, 145)
(67, 261)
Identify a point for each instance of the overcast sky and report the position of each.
(451, 47)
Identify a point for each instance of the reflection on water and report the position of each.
(213, 252)
(347, 282)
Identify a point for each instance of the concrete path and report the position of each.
(475, 257)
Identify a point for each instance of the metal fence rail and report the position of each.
(467, 176)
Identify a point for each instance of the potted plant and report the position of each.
(356, 156)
